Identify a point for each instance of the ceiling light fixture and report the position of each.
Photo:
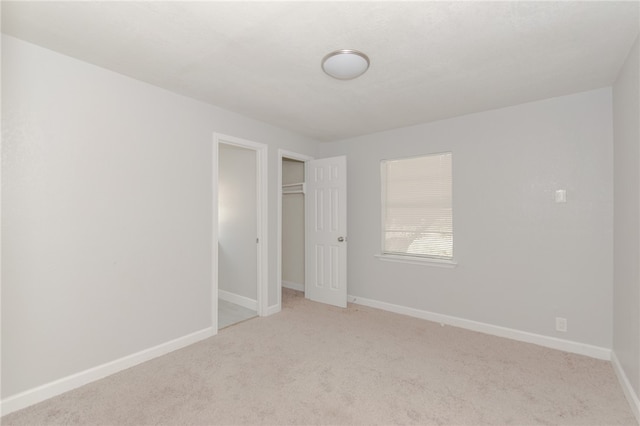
(345, 64)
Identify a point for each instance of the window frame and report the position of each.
(438, 261)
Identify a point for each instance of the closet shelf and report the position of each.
(293, 188)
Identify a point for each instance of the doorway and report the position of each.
(291, 222)
(325, 228)
(239, 230)
(322, 275)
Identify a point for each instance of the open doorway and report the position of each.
(239, 273)
(323, 243)
(291, 222)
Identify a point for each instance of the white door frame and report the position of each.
(261, 151)
(293, 156)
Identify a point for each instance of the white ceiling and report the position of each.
(429, 60)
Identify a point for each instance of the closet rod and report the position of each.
(289, 188)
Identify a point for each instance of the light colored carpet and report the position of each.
(315, 364)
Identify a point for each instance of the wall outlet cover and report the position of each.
(561, 324)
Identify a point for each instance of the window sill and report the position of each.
(439, 263)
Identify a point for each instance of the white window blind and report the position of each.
(417, 214)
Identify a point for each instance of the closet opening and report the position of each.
(292, 224)
(312, 229)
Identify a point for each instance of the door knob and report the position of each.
(340, 239)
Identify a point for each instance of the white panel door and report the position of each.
(326, 231)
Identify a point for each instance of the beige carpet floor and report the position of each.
(315, 364)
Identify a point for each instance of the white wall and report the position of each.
(626, 284)
(106, 213)
(238, 221)
(292, 225)
(523, 259)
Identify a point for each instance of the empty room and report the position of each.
(320, 213)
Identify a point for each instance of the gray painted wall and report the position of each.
(106, 213)
(626, 284)
(523, 259)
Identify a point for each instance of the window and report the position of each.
(417, 214)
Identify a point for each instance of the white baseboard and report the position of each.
(274, 309)
(65, 384)
(243, 301)
(510, 333)
(292, 285)
(628, 390)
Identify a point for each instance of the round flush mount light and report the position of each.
(345, 64)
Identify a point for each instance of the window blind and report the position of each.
(417, 212)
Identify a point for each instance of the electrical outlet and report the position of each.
(561, 324)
